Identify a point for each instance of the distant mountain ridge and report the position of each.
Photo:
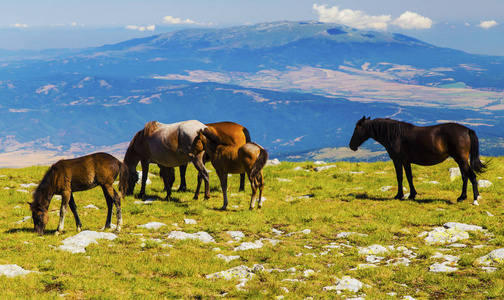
(298, 87)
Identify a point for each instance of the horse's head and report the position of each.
(197, 145)
(40, 217)
(132, 180)
(360, 135)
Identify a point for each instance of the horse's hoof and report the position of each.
(399, 197)
(475, 202)
(460, 199)
(223, 208)
(57, 233)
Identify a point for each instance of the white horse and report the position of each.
(168, 146)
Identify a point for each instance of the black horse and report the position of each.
(408, 144)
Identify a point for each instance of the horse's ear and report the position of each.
(369, 118)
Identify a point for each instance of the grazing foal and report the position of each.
(74, 175)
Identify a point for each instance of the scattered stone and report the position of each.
(454, 173)
(323, 168)
(399, 261)
(190, 221)
(237, 235)
(228, 258)
(441, 235)
(240, 272)
(305, 231)
(346, 283)
(79, 242)
(319, 163)
(299, 168)
(308, 273)
(273, 162)
(24, 219)
(347, 234)
(374, 259)
(441, 268)
(28, 185)
(152, 225)
(13, 270)
(248, 246)
(201, 236)
(484, 183)
(91, 206)
(373, 249)
(283, 180)
(386, 188)
(462, 226)
(493, 258)
(277, 232)
(364, 266)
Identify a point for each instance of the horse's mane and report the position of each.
(45, 186)
(387, 131)
(150, 127)
(210, 133)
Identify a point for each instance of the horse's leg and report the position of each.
(199, 164)
(253, 187)
(108, 198)
(200, 179)
(399, 174)
(242, 182)
(260, 182)
(223, 177)
(409, 176)
(113, 198)
(145, 174)
(73, 208)
(463, 195)
(183, 184)
(65, 198)
(170, 179)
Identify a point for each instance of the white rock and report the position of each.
(237, 235)
(373, 249)
(239, 272)
(441, 235)
(347, 234)
(273, 162)
(91, 206)
(484, 183)
(79, 242)
(462, 226)
(346, 283)
(323, 168)
(13, 270)
(441, 268)
(228, 258)
(454, 173)
(319, 163)
(190, 221)
(201, 236)
(152, 225)
(492, 258)
(248, 246)
(28, 185)
(283, 180)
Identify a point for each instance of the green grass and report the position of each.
(133, 266)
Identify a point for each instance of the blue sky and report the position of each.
(472, 26)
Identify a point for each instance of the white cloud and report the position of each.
(141, 28)
(353, 18)
(487, 24)
(176, 21)
(411, 20)
(18, 25)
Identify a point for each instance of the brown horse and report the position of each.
(168, 146)
(229, 133)
(249, 158)
(74, 175)
(407, 144)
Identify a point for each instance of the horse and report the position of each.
(168, 146)
(229, 133)
(249, 158)
(408, 144)
(74, 175)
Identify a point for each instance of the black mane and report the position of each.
(387, 131)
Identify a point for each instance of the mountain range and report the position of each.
(299, 87)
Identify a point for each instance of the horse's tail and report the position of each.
(260, 162)
(124, 174)
(246, 133)
(476, 164)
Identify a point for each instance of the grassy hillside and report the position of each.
(298, 263)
